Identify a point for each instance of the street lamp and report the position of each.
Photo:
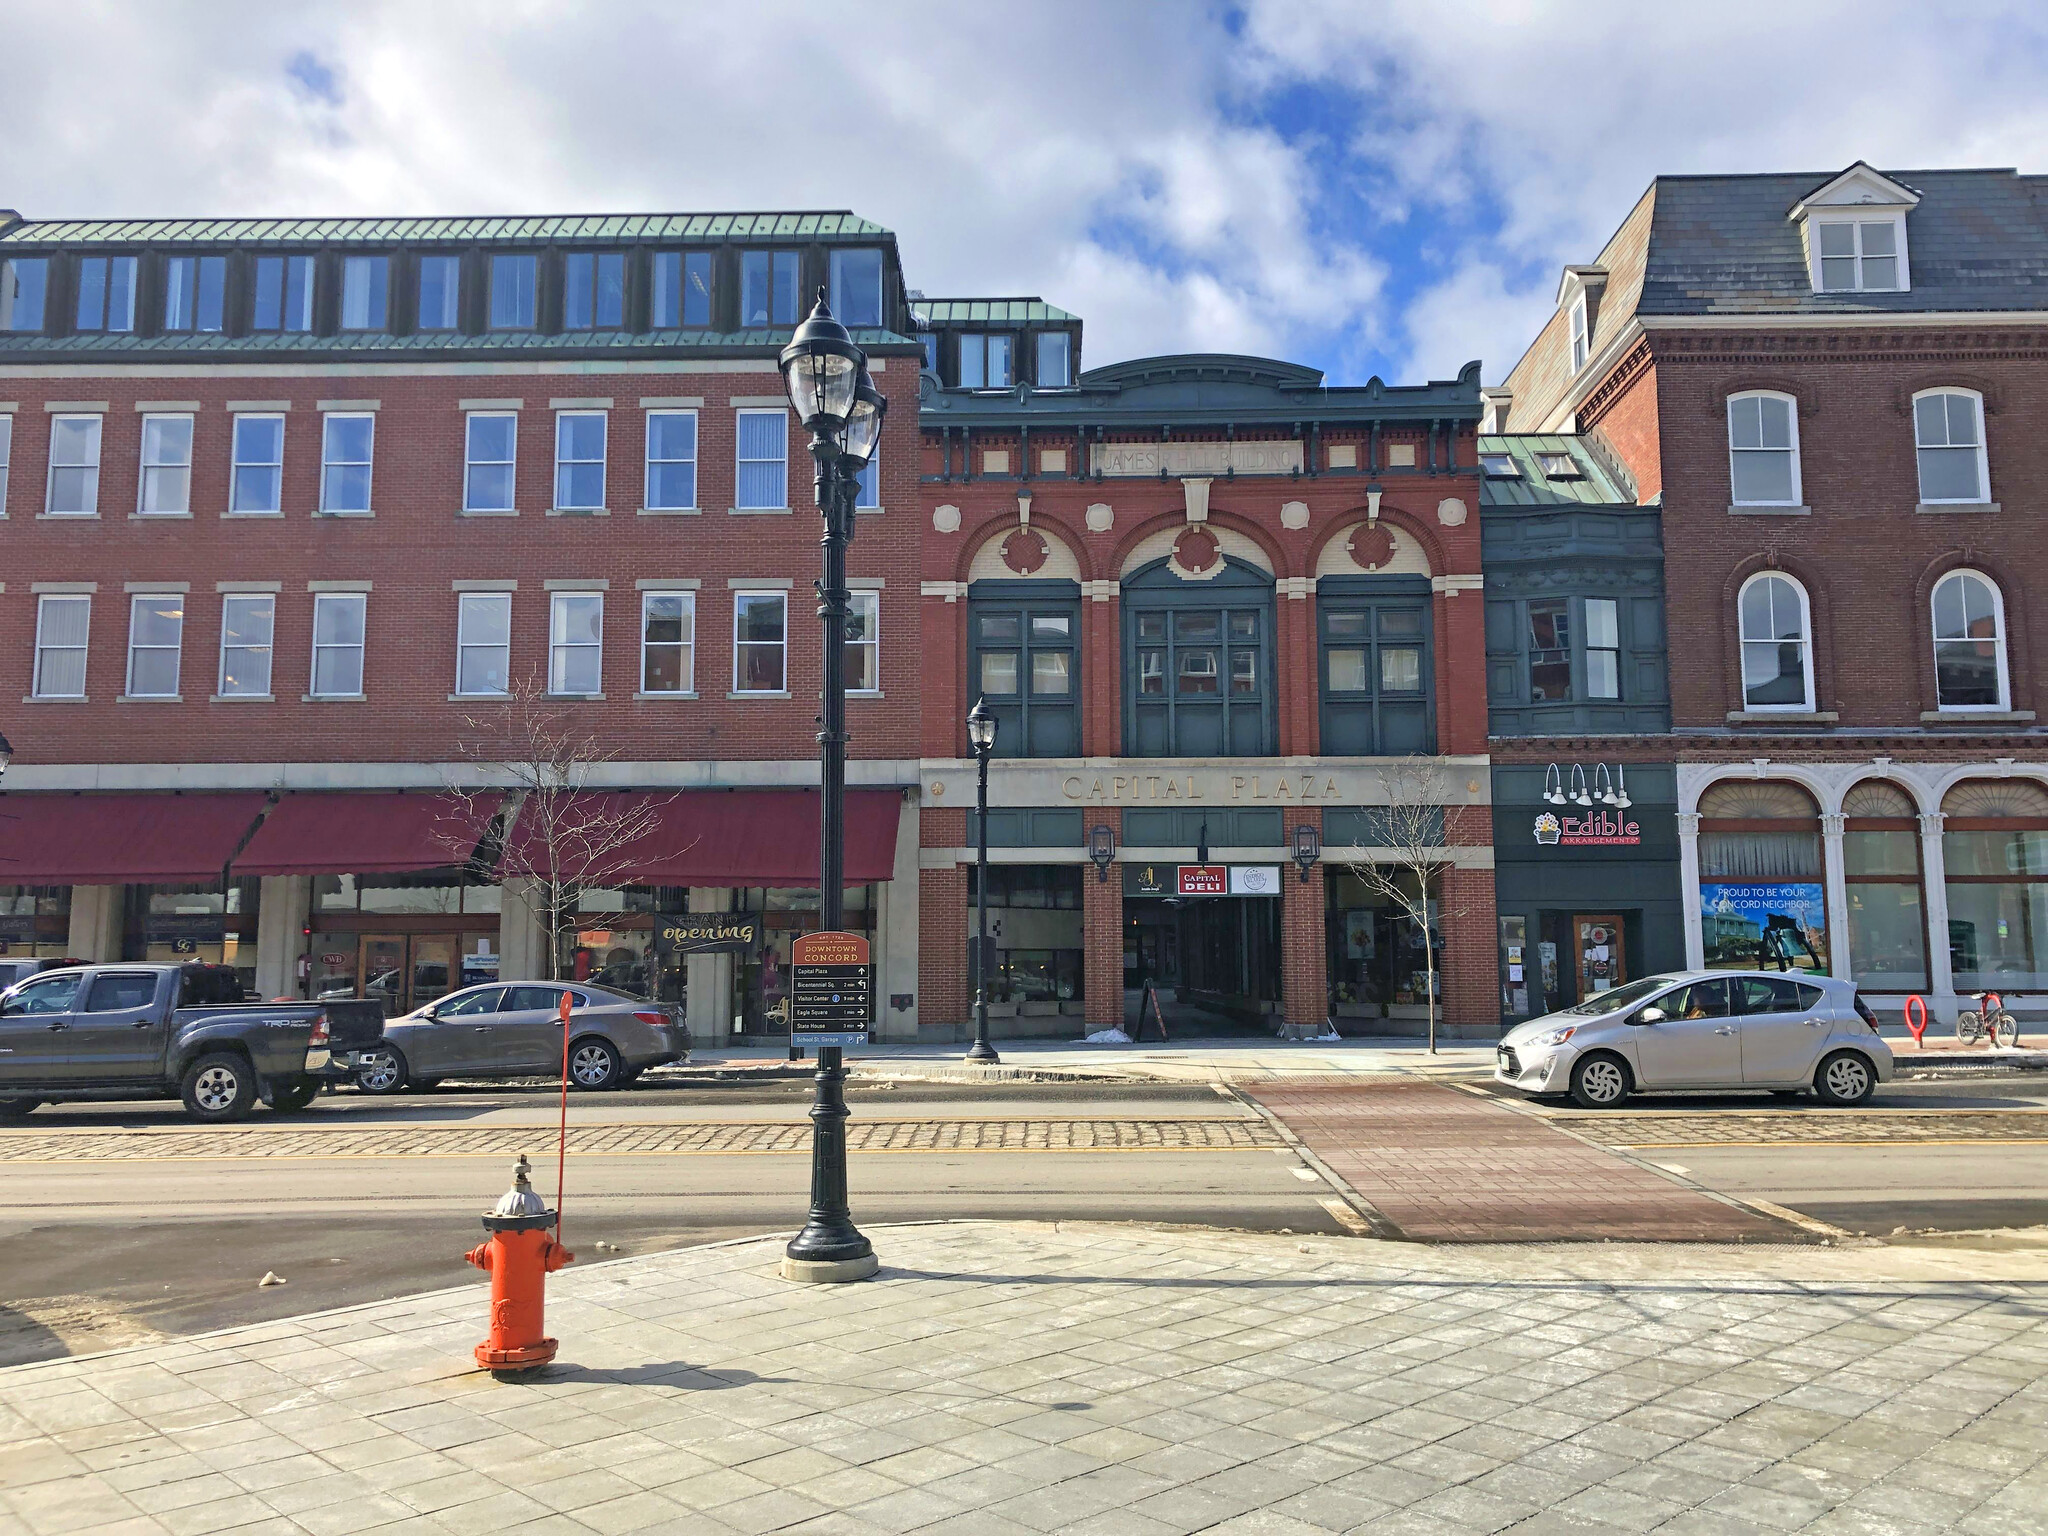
(981, 735)
(1102, 849)
(826, 377)
(6, 754)
(1308, 848)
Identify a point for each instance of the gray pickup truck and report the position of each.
(146, 1031)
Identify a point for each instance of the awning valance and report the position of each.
(366, 834)
(94, 839)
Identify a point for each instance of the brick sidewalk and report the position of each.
(1444, 1165)
(1006, 1379)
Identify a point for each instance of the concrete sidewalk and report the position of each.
(1105, 1381)
(1248, 1059)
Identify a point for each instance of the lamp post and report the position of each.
(981, 735)
(826, 377)
(6, 754)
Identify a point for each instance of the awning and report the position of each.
(367, 834)
(710, 837)
(89, 839)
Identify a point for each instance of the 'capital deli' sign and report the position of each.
(1598, 829)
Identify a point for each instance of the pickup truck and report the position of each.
(174, 1031)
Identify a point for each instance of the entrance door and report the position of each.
(383, 972)
(404, 972)
(1598, 941)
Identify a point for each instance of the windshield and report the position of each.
(1620, 997)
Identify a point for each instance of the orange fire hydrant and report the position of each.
(520, 1256)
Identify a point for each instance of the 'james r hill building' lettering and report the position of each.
(1282, 458)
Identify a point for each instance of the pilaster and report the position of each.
(95, 923)
(282, 905)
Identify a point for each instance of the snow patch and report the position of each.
(1107, 1037)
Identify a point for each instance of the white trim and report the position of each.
(759, 589)
(1856, 220)
(688, 592)
(464, 592)
(44, 598)
(143, 466)
(1728, 425)
(1806, 705)
(556, 599)
(1966, 711)
(1976, 398)
(336, 591)
(563, 416)
(648, 461)
(128, 692)
(221, 694)
(497, 412)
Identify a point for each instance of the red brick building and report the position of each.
(1824, 382)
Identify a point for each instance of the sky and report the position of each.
(1366, 188)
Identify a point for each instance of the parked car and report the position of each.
(179, 1031)
(514, 1029)
(1703, 1029)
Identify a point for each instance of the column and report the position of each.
(707, 979)
(946, 989)
(282, 905)
(1470, 981)
(1836, 892)
(896, 929)
(95, 923)
(522, 945)
(1304, 950)
(1941, 972)
(1102, 933)
(1689, 887)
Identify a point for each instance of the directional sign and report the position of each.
(831, 990)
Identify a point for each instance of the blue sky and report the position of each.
(1368, 188)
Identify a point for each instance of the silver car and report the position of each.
(1703, 1029)
(514, 1029)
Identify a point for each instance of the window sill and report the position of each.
(669, 512)
(150, 698)
(759, 511)
(864, 693)
(55, 698)
(574, 698)
(1934, 508)
(760, 694)
(336, 698)
(332, 512)
(579, 511)
(690, 694)
(869, 511)
(242, 698)
(67, 517)
(478, 698)
(1976, 716)
(1783, 716)
(158, 517)
(251, 514)
(487, 512)
(1746, 511)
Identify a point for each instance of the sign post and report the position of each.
(832, 990)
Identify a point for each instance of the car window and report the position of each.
(1775, 994)
(1697, 1000)
(1619, 997)
(48, 994)
(483, 1000)
(121, 991)
(520, 999)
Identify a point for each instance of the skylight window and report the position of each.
(1559, 466)
(1499, 466)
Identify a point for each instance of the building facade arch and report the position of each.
(1024, 552)
(2012, 614)
(1819, 628)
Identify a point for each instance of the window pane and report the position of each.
(1049, 671)
(1603, 675)
(1000, 375)
(1837, 273)
(1602, 626)
(1151, 626)
(1773, 673)
(1055, 356)
(1338, 622)
(672, 435)
(786, 304)
(363, 296)
(1998, 935)
(577, 619)
(246, 620)
(1198, 672)
(348, 439)
(754, 294)
(1745, 427)
(63, 620)
(1152, 672)
(665, 617)
(760, 617)
(1887, 936)
(486, 619)
(1880, 239)
(1762, 477)
(1198, 626)
(1880, 272)
(1930, 421)
(512, 292)
(1050, 626)
(1966, 674)
(857, 287)
(1002, 628)
(1774, 422)
(338, 620)
(1244, 672)
(1949, 474)
(1346, 667)
(1550, 624)
(999, 672)
(166, 464)
(1837, 240)
(1400, 669)
(23, 284)
(1962, 421)
(440, 292)
(972, 362)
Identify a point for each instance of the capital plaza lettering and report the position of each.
(1291, 787)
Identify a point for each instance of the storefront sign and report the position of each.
(1255, 879)
(1204, 880)
(832, 997)
(183, 931)
(1148, 879)
(1264, 788)
(1764, 924)
(707, 933)
(17, 927)
(1280, 458)
(1593, 829)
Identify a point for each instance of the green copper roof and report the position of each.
(425, 343)
(1530, 487)
(988, 312)
(708, 228)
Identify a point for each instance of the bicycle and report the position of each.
(1989, 1017)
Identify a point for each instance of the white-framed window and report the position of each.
(156, 638)
(195, 292)
(284, 293)
(166, 465)
(74, 467)
(857, 287)
(365, 292)
(869, 495)
(668, 642)
(348, 442)
(6, 456)
(1763, 449)
(1603, 648)
(257, 480)
(760, 642)
(1055, 360)
(247, 624)
(1581, 338)
(106, 293)
(483, 643)
(863, 642)
(24, 283)
(671, 461)
(1777, 650)
(576, 643)
(338, 624)
(763, 479)
(986, 361)
(62, 624)
(1859, 255)
(490, 462)
(1969, 643)
(440, 292)
(579, 460)
(1948, 436)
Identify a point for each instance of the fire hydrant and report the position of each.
(520, 1256)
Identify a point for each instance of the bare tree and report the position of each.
(558, 833)
(1416, 827)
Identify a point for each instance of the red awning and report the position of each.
(91, 839)
(369, 834)
(713, 837)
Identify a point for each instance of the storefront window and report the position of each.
(613, 941)
(194, 924)
(761, 977)
(1377, 964)
(1762, 897)
(1514, 967)
(1035, 933)
(35, 921)
(1881, 868)
(403, 939)
(1995, 847)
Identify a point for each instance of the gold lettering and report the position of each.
(1172, 790)
(1308, 786)
(1095, 790)
(1153, 780)
(1070, 786)
(1116, 787)
(1281, 791)
(1237, 786)
(1256, 793)
(1330, 790)
(1193, 794)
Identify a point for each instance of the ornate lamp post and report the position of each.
(826, 377)
(981, 735)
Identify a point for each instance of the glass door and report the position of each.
(402, 972)
(1598, 941)
(383, 971)
(432, 969)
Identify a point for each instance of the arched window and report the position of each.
(1881, 872)
(1969, 642)
(1777, 649)
(1762, 897)
(1763, 449)
(1995, 846)
(1948, 432)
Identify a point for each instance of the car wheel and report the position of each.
(381, 1070)
(1600, 1082)
(294, 1096)
(12, 1108)
(593, 1064)
(219, 1087)
(1845, 1078)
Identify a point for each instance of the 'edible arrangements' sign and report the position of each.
(832, 990)
(707, 933)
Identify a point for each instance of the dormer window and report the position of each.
(1498, 466)
(1853, 228)
(1558, 466)
(1580, 337)
(1859, 256)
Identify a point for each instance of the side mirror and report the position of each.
(1650, 1015)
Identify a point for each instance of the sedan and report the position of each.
(515, 1030)
(1703, 1030)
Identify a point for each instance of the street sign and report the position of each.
(832, 990)
(1204, 880)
